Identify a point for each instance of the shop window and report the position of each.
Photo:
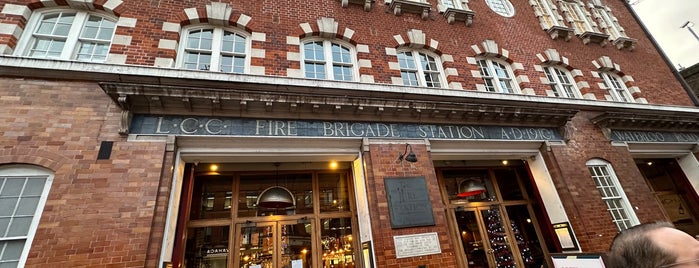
(333, 192)
(68, 35)
(612, 194)
(420, 69)
(561, 82)
(214, 49)
(501, 7)
(23, 193)
(498, 76)
(617, 89)
(337, 243)
(323, 59)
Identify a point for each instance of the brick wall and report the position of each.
(521, 35)
(381, 163)
(582, 201)
(98, 212)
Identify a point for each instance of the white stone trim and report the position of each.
(447, 58)
(627, 78)
(11, 29)
(471, 60)
(517, 66)
(119, 39)
(5, 50)
(364, 63)
(365, 78)
(293, 40)
(127, 22)
(397, 80)
(522, 79)
(451, 72)
(347, 34)
(164, 62)
(171, 27)
(111, 5)
(528, 91)
(306, 28)
(327, 27)
(19, 10)
(456, 85)
(116, 58)
(294, 73)
(243, 21)
(391, 51)
(259, 70)
(192, 14)
(634, 89)
(293, 56)
(392, 65)
(476, 74)
(257, 53)
(641, 100)
(361, 48)
(589, 96)
(167, 44)
(258, 37)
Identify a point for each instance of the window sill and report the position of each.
(409, 6)
(453, 14)
(594, 37)
(365, 3)
(625, 43)
(561, 32)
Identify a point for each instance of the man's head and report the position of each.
(653, 245)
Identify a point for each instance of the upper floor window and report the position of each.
(612, 194)
(23, 193)
(214, 49)
(69, 35)
(323, 59)
(452, 4)
(577, 16)
(420, 69)
(498, 77)
(561, 82)
(617, 88)
(501, 7)
(545, 11)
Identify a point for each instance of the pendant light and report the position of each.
(276, 196)
(470, 188)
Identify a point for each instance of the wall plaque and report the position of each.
(416, 245)
(408, 202)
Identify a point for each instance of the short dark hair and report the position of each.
(634, 248)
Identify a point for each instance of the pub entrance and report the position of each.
(224, 222)
(673, 192)
(491, 215)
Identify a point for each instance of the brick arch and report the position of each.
(327, 28)
(215, 13)
(489, 49)
(113, 7)
(36, 157)
(416, 39)
(551, 57)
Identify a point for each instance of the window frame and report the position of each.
(24, 171)
(613, 182)
(559, 86)
(547, 13)
(72, 38)
(216, 48)
(616, 87)
(509, 8)
(328, 62)
(579, 20)
(455, 4)
(419, 70)
(497, 83)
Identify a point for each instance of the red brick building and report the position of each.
(339, 133)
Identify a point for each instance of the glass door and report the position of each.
(485, 238)
(285, 244)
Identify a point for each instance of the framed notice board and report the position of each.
(408, 202)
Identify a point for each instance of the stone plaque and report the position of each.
(408, 202)
(416, 245)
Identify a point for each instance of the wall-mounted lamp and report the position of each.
(410, 157)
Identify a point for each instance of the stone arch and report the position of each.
(490, 49)
(110, 6)
(217, 14)
(327, 28)
(551, 57)
(416, 39)
(606, 64)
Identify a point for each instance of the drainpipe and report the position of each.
(677, 74)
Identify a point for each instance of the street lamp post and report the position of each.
(689, 26)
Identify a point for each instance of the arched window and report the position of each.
(617, 88)
(325, 59)
(613, 195)
(498, 76)
(420, 69)
(214, 49)
(68, 35)
(23, 193)
(561, 82)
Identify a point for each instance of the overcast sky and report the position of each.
(664, 19)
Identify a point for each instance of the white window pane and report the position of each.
(314, 51)
(12, 250)
(27, 206)
(7, 206)
(12, 187)
(405, 60)
(409, 78)
(340, 54)
(19, 226)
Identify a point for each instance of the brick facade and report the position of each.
(120, 212)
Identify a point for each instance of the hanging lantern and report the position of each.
(276, 197)
(471, 188)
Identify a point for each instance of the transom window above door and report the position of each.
(214, 49)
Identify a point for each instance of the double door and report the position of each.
(495, 237)
(286, 244)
